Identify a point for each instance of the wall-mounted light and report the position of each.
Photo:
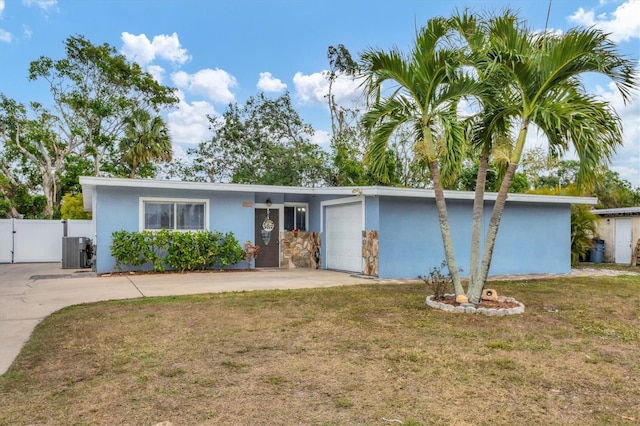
(356, 191)
(608, 220)
(268, 202)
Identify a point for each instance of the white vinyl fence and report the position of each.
(32, 240)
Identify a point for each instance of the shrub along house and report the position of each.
(379, 231)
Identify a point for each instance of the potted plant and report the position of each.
(250, 252)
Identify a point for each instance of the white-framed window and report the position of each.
(179, 214)
(296, 216)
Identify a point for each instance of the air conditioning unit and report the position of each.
(76, 252)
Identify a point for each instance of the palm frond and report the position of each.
(590, 126)
(580, 51)
(453, 146)
(381, 121)
(381, 67)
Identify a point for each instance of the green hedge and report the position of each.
(182, 251)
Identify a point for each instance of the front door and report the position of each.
(622, 241)
(267, 235)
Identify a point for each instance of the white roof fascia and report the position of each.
(620, 211)
(469, 195)
(89, 183)
(208, 186)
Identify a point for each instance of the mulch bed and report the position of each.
(196, 271)
(488, 304)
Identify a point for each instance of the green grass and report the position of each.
(612, 266)
(337, 356)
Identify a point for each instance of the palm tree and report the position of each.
(535, 79)
(425, 87)
(146, 140)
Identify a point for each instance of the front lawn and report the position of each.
(609, 266)
(370, 355)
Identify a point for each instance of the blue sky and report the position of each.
(216, 52)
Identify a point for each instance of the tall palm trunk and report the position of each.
(134, 170)
(475, 288)
(441, 205)
(478, 210)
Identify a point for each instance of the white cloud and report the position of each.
(623, 24)
(314, 88)
(553, 31)
(168, 47)
(140, 49)
(212, 83)
(26, 31)
(322, 138)
(311, 88)
(267, 83)
(137, 48)
(627, 159)
(5, 36)
(157, 72)
(630, 174)
(45, 5)
(180, 79)
(179, 153)
(189, 123)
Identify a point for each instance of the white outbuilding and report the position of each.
(620, 230)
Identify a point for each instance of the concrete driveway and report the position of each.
(31, 291)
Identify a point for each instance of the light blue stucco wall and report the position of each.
(409, 235)
(533, 238)
(372, 213)
(315, 209)
(118, 208)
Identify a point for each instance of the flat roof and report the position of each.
(621, 211)
(90, 183)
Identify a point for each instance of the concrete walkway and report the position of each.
(29, 292)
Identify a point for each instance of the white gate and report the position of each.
(37, 241)
(33, 240)
(6, 240)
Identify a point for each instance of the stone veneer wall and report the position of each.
(370, 253)
(299, 250)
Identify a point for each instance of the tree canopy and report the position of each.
(95, 92)
(263, 141)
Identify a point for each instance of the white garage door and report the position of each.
(344, 237)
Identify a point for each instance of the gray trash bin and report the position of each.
(597, 252)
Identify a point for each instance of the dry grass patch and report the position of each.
(347, 355)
